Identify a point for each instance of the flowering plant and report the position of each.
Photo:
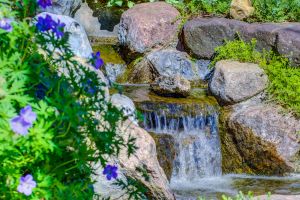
(46, 118)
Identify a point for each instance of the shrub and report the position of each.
(47, 118)
(197, 7)
(284, 80)
(276, 10)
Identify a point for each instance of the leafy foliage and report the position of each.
(276, 10)
(284, 80)
(198, 7)
(76, 126)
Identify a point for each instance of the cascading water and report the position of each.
(194, 128)
(186, 135)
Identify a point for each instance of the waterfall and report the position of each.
(194, 128)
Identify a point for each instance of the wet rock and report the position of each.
(241, 9)
(78, 39)
(233, 82)
(257, 138)
(166, 152)
(202, 35)
(167, 62)
(147, 25)
(175, 86)
(126, 104)
(138, 72)
(63, 7)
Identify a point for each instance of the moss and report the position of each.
(232, 162)
(109, 54)
(137, 72)
(147, 101)
(244, 152)
(124, 78)
(197, 93)
(137, 92)
(109, 40)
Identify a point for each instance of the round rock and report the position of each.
(176, 86)
(147, 25)
(234, 82)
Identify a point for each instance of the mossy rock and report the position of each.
(109, 54)
(244, 152)
(232, 162)
(166, 152)
(137, 72)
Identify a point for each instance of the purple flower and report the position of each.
(96, 60)
(45, 24)
(58, 29)
(28, 115)
(44, 3)
(26, 185)
(21, 123)
(5, 24)
(110, 171)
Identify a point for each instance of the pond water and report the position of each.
(230, 185)
(196, 169)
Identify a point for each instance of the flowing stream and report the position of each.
(195, 134)
(196, 169)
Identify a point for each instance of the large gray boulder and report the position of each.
(147, 25)
(169, 62)
(126, 104)
(175, 86)
(202, 35)
(233, 82)
(144, 158)
(78, 39)
(63, 7)
(258, 138)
